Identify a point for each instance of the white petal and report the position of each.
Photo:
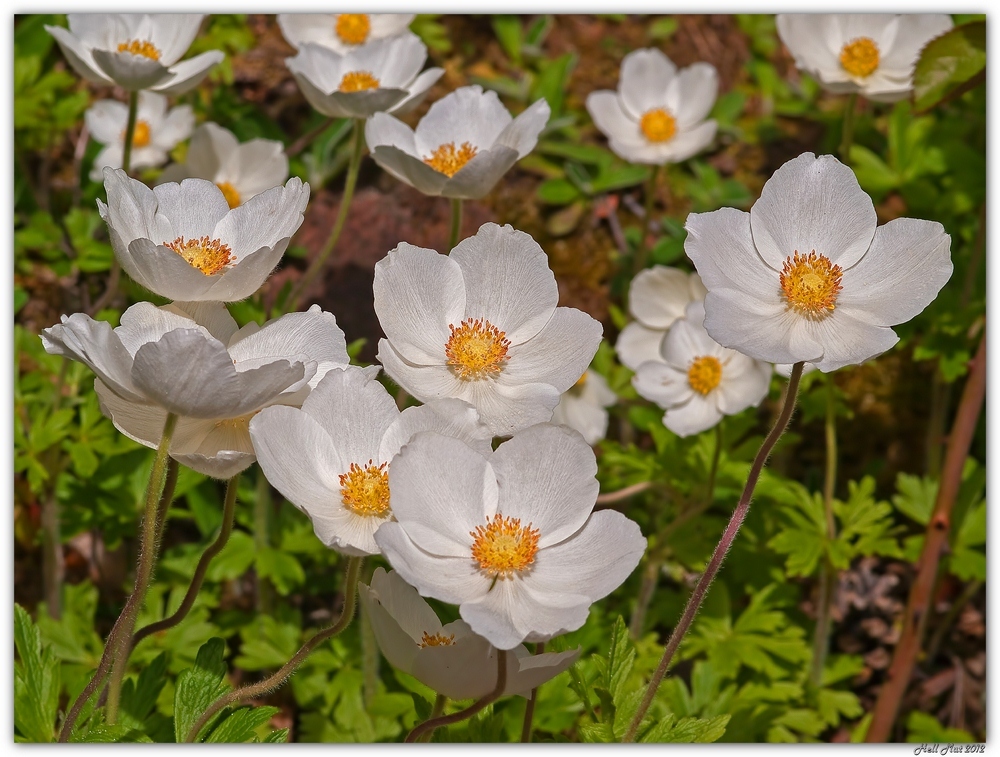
(385, 130)
(662, 384)
(404, 605)
(522, 133)
(685, 341)
(692, 94)
(448, 417)
(688, 142)
(96, 345)
(698, 414)
(811, 204)
(79, 55)
(187, 74)
(637, 345)
(417, 91)
(425, 382)
(317, 28)
(177, 126)
(584, 417)
(477, 177)
(658, 296)
(389, 24)
(507, 281)
(173, 33)
(508, 408)
(395, 61)
(106, 120)
(809, 38)
(130, 211)
(556, 355)
(144, 322)
(534, 670)
(908, 263)
(192, 208)
(132, 72)
(847, 340)
(441, 490)
(915, 30)
(546, 476)
(409, 169)
(314, 333)
(721, 246)
(164, 272)
(254, 167)
(418, 294)
(210, 146)
(645, 76)
(264, 220)
(465, 115)
(606, 111)
(744, 384)
(212, 315)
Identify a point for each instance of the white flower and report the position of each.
(190, 359)
(331, 459)
(450, 659)
(156, 131)
(135, 51)
(383, 75)
(658, 114)
(870, 53)
(182, 241)
(482, 325)
(697, 380)
(581, 407)
(461, 148)
(341, 32)
(511, 539)
(807, 276)
(657, 297)
(241, 171)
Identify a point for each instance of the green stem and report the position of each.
(847, 133)
(438, 708)
(728, 537)
(121, 643)
(255, 690)
(228, 515)
(456, 223)
(639, 262)
(432, 724)
(529, 708)
(262, 539)
(358, 151)
(828, 573)
(133, 110)
(369, 649)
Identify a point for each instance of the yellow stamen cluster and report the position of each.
(860, 57)
(140, 47)
(365, 491)
(353, 28)
(231, 194)
(658, 125)
(140, 137)
(503, 546)
(476, 349)
(210, 256)
(436, 640)
(447, 160)
(358, 81)
(704, 374)
(811, 284)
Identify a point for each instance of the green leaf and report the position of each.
(36, 683)
(916, 497)
(925, 728)
(621, 657)
(557, 192)
(950, 64)
(198, 687)
(686, 730)
(240, 726)
(509, 33)
(284, 571)
(139, 696)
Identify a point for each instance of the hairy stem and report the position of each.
(728, 537)
(228, 514)
(456, 223)
(828, 574)
(358, 151)
(936, 541)
(609, 498)
(439, 704)
(432, 724)
(529, 708)
(272, 682)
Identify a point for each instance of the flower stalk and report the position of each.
(456, 223)
(728, 537)
(254, 690)
(847, 133)
(357, 152)
(639, 261)
(529, 708)
(432, 724)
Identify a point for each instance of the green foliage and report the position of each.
(36, 682)
(950, 65)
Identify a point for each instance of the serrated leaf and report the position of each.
(239, 727)
(621, 656)
(687, 730)
(36, 682)
(283, 569)
(950, 64)
(199, 686)
(139, 696)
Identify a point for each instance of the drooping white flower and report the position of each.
(332, 457)
(134, 50)
(658, 115)
(190, 359)
(182, 241)
(241, 171)
(157, 131)
(697, 380)
(341, 32)
(582, 406)
(482, 325)
(461, 148)
(657, 297)
(510, 538)
(451, 659)
(383, 75)
(807, 276)
(873, 54)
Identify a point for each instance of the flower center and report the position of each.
(580, 382)
(811, 284)
(365, 491)
(358, 81)
(476, 349)
(230, 193)
(860, 57)
(503, 546)
(447, 160)
(207, 255)
(140, 137)
(658, 125)
(353, 28)
(140, 47)
(436, 640)
(704, 374)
